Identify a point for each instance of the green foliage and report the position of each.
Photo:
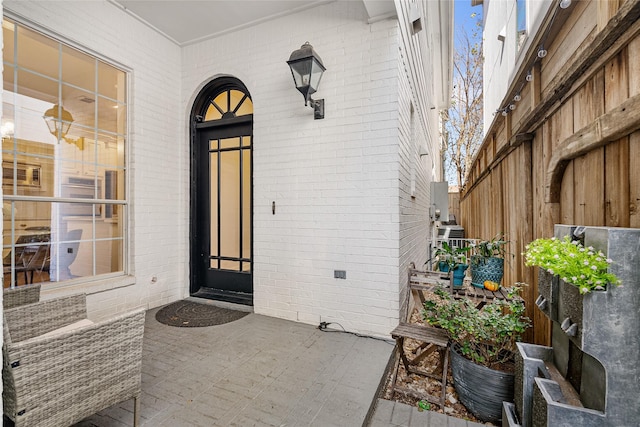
(495, 247)
(423, 405)
(486, 336)
(453, 256)
(582, 267)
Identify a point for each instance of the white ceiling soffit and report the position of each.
(380, 9)
(186, 22)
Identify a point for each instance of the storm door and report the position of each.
(221, 261)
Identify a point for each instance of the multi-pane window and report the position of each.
(64, 125)
(230, 185)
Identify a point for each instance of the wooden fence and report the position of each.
(570, 152)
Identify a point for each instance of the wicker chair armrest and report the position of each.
(62, 379)
(21, 295)
(32, 320)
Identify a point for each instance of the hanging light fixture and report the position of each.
(529, 77)
(517, 98)
(59, 121)
(307, 68)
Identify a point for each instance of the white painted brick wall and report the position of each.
(341, 185)
(159, 225)
(414, 206)
(334, 181)
(421, 131)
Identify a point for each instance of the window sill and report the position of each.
(84, 285)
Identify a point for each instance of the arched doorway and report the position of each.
(221, 192)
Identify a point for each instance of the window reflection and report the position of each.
(56, 178)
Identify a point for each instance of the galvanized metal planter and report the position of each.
(589, 376)
(480, 389)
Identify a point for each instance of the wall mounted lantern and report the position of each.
(307, 68)
(59, 121)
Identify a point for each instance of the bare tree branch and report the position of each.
(462, 122)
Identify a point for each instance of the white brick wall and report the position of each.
(159, 230)
(341, 185)
(417, 130)
(414, 207)
(334, 181)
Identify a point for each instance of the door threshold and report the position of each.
(222, 304)
(241, 298)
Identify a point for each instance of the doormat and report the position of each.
(189, 314)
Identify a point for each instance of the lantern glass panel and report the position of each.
(301, 71)
(316, 75)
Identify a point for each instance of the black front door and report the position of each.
(221, 261)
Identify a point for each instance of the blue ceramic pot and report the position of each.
(483, 269)
(458, 275)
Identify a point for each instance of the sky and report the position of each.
(462, 11)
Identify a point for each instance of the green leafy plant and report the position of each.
(495, 247)
(486, 335)
(585, 268)
(423, 405)
(453, 256)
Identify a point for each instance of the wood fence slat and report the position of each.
(567, 197)
(594, 188)
(616, 83)
(616, 184)
(633, 51)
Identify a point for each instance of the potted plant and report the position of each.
(569, 272)
(487, 261)
(584, 268)
(454, 259)
(483, 347)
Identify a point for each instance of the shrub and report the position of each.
(486, 335)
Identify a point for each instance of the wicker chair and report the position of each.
(63, 377)
(20, 295)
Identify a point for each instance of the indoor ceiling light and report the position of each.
(59, 121)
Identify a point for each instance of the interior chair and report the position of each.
(34, 259)
(68, 252)
(60, 367)
(26, 247)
